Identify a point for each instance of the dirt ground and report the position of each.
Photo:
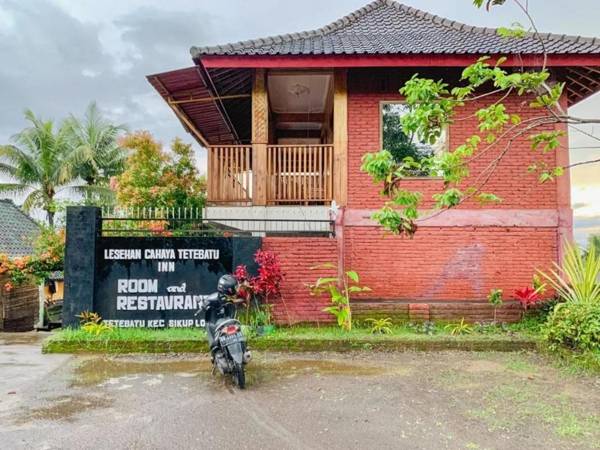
(451, 400)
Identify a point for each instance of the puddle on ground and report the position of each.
(107, 371)
(16, 338)
(62, 408)
(99, 370)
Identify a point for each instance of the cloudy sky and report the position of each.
(58, 55)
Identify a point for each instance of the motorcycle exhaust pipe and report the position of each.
(247, 357)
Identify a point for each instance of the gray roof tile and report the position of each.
(17, 230)
(388, 27)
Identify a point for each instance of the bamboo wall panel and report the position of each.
(230, 174)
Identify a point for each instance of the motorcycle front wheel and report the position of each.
(240, 376)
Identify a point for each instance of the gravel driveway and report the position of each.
(451, 400)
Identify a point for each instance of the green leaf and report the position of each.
(326, 280)
(352, 275)
(486, 197)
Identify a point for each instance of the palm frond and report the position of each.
(7, 169)
(13, 188)
(576, 279)
(34, 200)
(96, 154)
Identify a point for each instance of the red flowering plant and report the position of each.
(261, 290)
(48, 257)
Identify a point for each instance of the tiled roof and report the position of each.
(388, 27)
(17, 230)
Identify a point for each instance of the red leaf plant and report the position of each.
(270, 275)
(245, 288)
(528, 296)
(266, 285)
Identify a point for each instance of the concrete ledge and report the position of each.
(244, 217)
(445, 311)
(536, 218)
(375, 343)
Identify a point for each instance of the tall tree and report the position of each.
(97, 153)
(157, 179)
(594, 241)
(40, 164)
(95, 141)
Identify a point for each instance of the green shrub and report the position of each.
(380, 326)
(574, 325)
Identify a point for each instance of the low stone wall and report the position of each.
(19, 308)
(451, 311)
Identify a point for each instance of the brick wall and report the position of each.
(453, 264)
(446, 263)
(511, 181)
(297, 256)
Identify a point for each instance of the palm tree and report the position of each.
(40, 164)
(97, 152)
(594, 241)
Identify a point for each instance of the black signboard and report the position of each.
(151, 282)
(157, 282)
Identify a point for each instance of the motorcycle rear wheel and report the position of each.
(240, 376)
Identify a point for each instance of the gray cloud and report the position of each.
(58, 64)
(44, 53)
(58, 55)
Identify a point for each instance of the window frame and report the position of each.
(445, 148)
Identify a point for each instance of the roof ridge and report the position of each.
(461, 26)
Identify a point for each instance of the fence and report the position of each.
(190, 222)
(300, 174)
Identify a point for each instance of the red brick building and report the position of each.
(286, 120)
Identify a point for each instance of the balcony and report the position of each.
(291, 174)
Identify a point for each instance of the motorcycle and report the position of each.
(229, 353)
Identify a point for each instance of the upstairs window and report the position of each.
(401, 145)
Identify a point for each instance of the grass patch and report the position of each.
(575, 363)
(507, 406)
(530, 325)
(127, 340)
(132, 334)
(300, 338)
(519, 364)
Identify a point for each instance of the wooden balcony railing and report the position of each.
(299, 174)
(230, 174)
(294, 174)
